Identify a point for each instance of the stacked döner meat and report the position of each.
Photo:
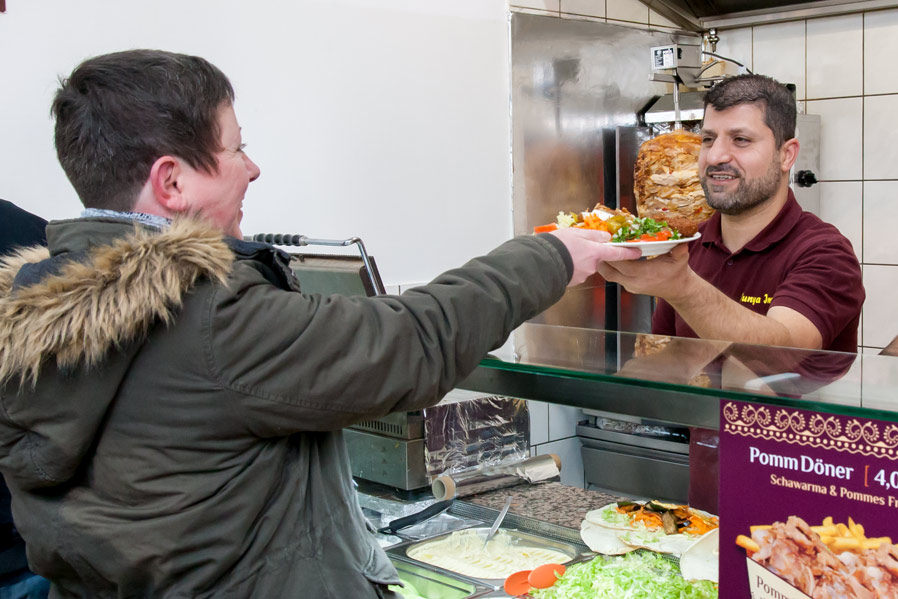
(666, 181)
(795, 552)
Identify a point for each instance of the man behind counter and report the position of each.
(764, 271)
(172, 405)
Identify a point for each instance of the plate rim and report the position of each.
(638, 244)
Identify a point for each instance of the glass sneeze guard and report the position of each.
(680, 379)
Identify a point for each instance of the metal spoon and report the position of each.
(498, 521)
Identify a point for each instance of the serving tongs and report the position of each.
(431, 511)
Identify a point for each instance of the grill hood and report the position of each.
(716, 8)
(701, 15)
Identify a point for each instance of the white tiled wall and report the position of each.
(589, 8)
(553, 429)
(838, 201)
(880, 42)
(880, 150)
(622, 12)
(835, 74)
(568, 450)
(841, 137)
(880, 325)
(880, 199)
(843, 70)
(779, 51)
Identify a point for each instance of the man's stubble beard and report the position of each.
(748, 194)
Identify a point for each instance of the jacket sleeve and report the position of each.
(297, 362)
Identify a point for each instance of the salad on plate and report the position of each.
(650, 235)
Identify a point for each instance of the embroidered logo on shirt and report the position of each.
(754, 300)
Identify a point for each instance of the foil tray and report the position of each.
(574, 551)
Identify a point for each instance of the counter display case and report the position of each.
(808, 442)
(682, 381)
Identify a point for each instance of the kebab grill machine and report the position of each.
(585, 97)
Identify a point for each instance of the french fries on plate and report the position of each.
(838, 537)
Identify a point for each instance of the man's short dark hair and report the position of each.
(118, 113)
(775, 99)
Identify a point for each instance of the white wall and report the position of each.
(383, 119)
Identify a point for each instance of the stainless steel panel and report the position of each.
(634, 311)
(628, 140)
(591, 432)
(636, 471)
(573, 83)
(402, 425)
(790, 11)
(708, 8)
(570, 81)
(386, 460)
(692, 108)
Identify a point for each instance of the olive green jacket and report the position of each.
(171, 405)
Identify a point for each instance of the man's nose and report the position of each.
(717, 153)
(252, 168)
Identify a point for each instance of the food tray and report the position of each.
(487, 515)
(573, 551)
(438, 585)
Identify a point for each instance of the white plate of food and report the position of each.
(654, 248)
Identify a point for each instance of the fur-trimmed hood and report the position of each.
(89, 299)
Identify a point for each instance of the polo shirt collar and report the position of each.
(774, 232)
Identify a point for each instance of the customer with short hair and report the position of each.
(172, 403)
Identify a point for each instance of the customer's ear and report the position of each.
(166, 181)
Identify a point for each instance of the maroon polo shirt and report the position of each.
(797, 261)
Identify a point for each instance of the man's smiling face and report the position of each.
(740, 166)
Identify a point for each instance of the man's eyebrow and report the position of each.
(740, 131)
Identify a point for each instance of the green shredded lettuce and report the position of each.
(639, 575)
(642, 226)
(614, 517)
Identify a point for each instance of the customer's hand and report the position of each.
(588, 249)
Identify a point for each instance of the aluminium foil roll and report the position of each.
(472, 482)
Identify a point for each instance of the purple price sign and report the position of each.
(822, 493)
